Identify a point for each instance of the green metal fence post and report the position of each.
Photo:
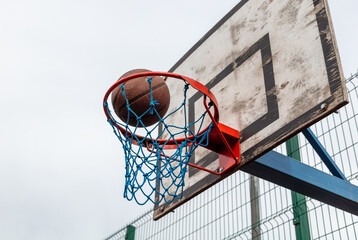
(300, 219)
(130, 232)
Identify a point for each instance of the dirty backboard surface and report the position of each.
(273, 67)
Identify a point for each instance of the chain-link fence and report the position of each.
(225, 210)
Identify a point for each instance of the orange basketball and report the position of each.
(138, 95)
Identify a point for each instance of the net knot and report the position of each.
(156, 145)
(152, 105)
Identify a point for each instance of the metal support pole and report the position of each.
(130, 232)
(255, 208)
(298, 200)
(292, 174)
(321, 151)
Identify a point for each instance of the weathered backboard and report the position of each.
(274, 69)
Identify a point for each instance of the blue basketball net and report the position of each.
(153, 172)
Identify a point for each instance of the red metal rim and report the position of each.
(195, 84)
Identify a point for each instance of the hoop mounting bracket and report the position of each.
(225, 141)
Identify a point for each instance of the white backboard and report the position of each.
(275, 70)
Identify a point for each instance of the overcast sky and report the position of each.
(61, 170)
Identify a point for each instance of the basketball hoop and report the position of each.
(150, 159)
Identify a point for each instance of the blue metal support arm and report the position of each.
(292, 174)
(322, 153)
